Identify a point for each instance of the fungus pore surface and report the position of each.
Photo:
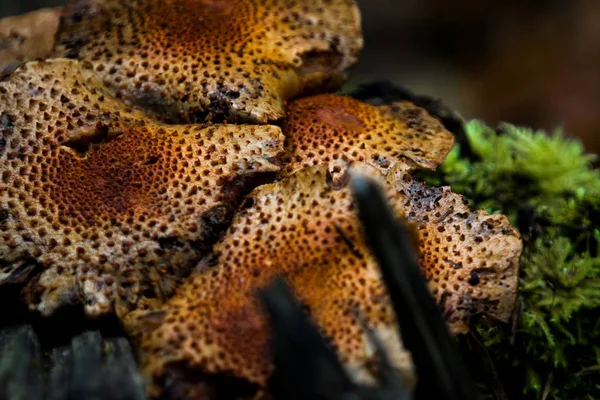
(306, 229)
(112, 200)
(26, 37)
(469, 258)
(191, 60)
(335, 129)
(100, 204)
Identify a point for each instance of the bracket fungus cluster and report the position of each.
(123, 191)
(305, 228)
(102, 204)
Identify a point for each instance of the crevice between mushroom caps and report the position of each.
(86, 140)
(316, 67)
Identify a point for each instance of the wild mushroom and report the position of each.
(101, 204)
(306, 230)
(188, 60)
(26, 37)
(332, 129)
(470, 258)
(396, 138)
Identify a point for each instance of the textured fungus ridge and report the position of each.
(103, 206)
(336, 129)
(195, 59)
(470, 258)
(302, 228)
(26, 37)
(307, 230)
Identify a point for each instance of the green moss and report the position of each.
(548, 189)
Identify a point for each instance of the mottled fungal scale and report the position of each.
(27, 37)
(188, 60)
(469, 258)
(104, 206)
(111, 199)
(307, 230)
(332, 129)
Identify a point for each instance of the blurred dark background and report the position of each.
(535, 63)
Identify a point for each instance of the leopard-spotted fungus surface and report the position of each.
(302, 228)
(307, 230)
(188, 60)
(469, 258)
(103, 205)
(338, 129)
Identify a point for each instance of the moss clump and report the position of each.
(548, 188)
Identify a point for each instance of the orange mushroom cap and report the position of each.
(307, 230)
(332, 129)
(27, 37)
(104, 206)
(186, 60)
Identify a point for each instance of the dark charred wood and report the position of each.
(20, 365)
(89, 368)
